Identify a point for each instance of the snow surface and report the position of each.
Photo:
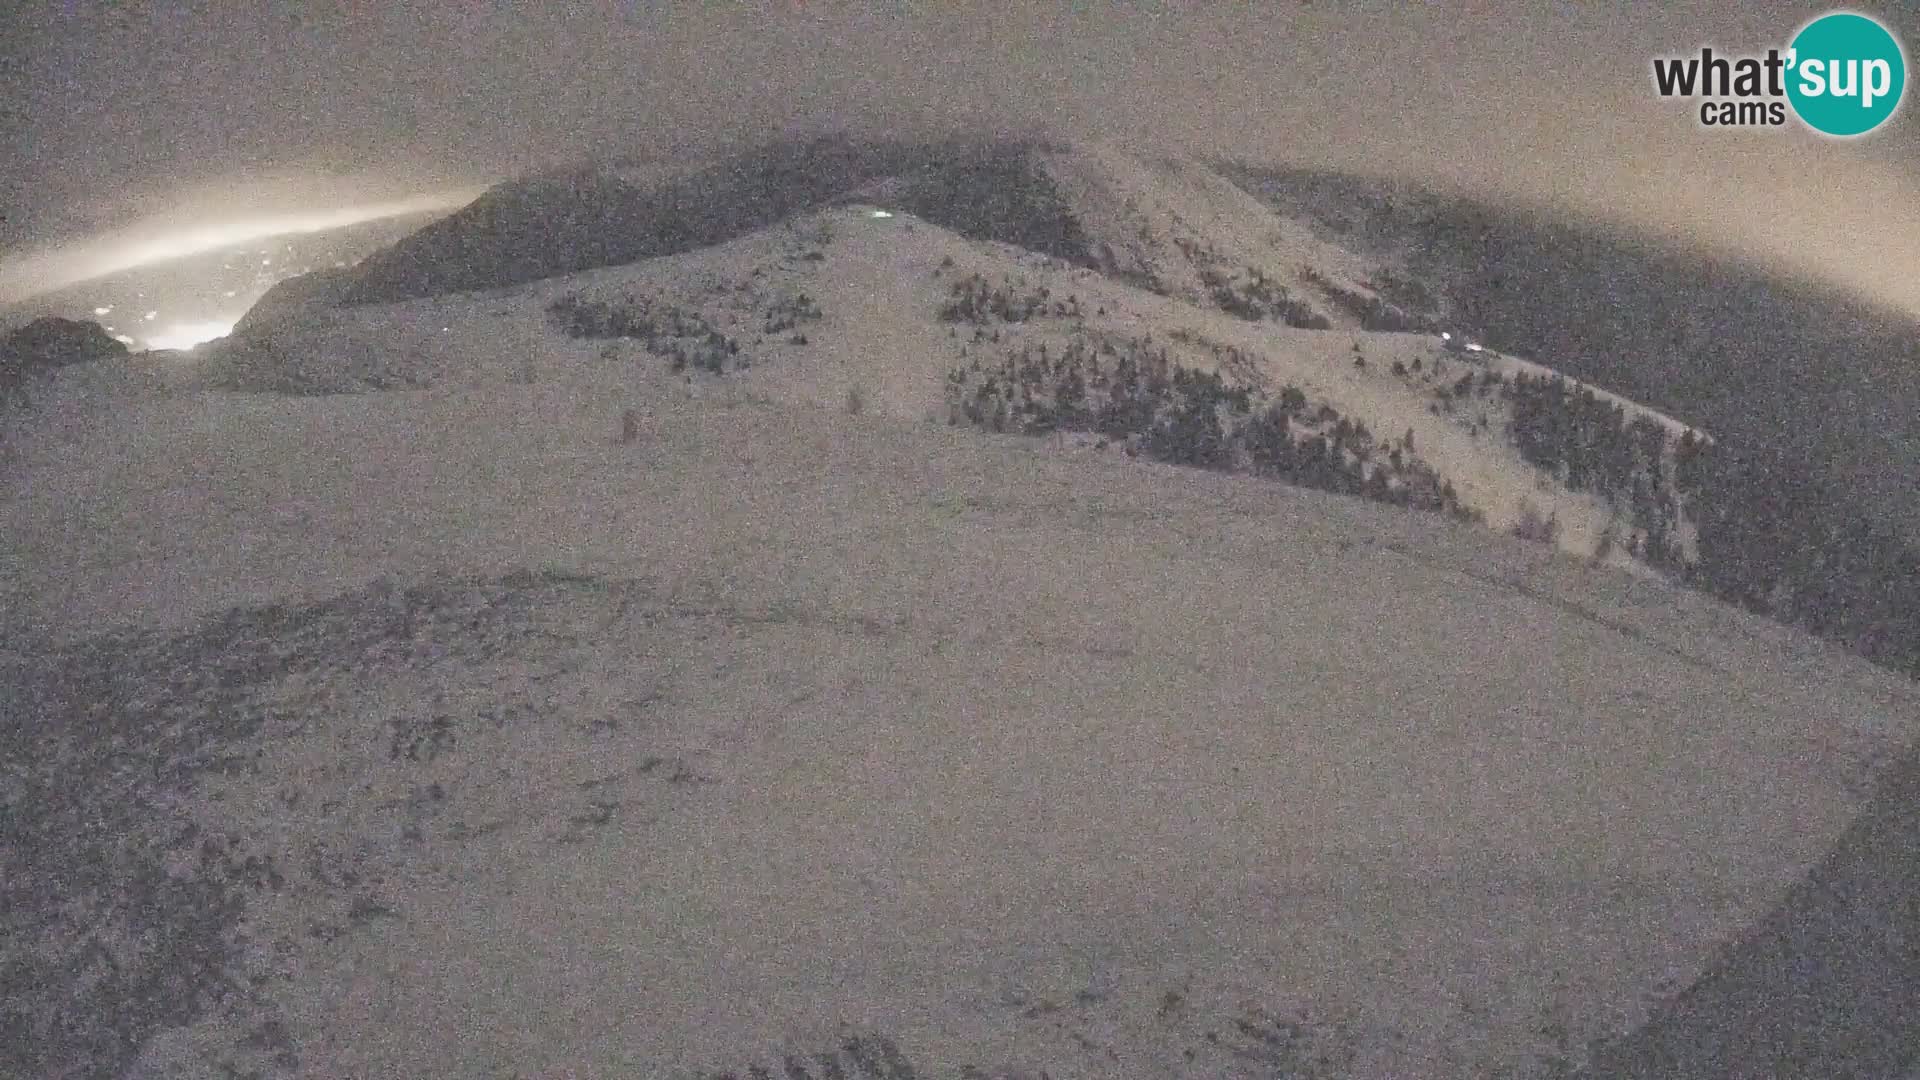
(1172, 219)
(802, 723)
(880, 288)
(995, 751)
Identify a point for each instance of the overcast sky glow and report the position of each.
(178, 109)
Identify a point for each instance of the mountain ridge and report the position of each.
(827, 615)
(839, 264)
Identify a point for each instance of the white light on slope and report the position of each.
(881, 214)
(50, 269)
(187, 335)
(102, 310)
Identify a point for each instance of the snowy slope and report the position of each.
(878, 284)
(1165, 223)
(774, 725)
(556, 712)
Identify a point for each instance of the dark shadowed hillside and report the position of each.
(321, 288)
(54, 342)
(545, 226)
(996, 192)
(1815, 375)
(1805, 505)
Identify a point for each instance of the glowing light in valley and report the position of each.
(123, 339)
(233, 292)
(59, 267)
(187, 335)
(151, 315)
(103, 310)
(881, 214)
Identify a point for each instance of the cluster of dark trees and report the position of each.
(1587, 443)
(1374, 312)
(1133, 394)
(790, 312)
(975, 300)
(1342, 456)
(1769, 535)
(683, 338)
(1467, 387)
(1259, 299)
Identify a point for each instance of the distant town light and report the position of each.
(102, 310)
(187, 335)
(880, 213)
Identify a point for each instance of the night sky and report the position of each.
(200, 111)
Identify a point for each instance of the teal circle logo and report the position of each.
(1846, 74)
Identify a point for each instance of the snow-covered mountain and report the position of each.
(1166, 259)
(856, 610)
